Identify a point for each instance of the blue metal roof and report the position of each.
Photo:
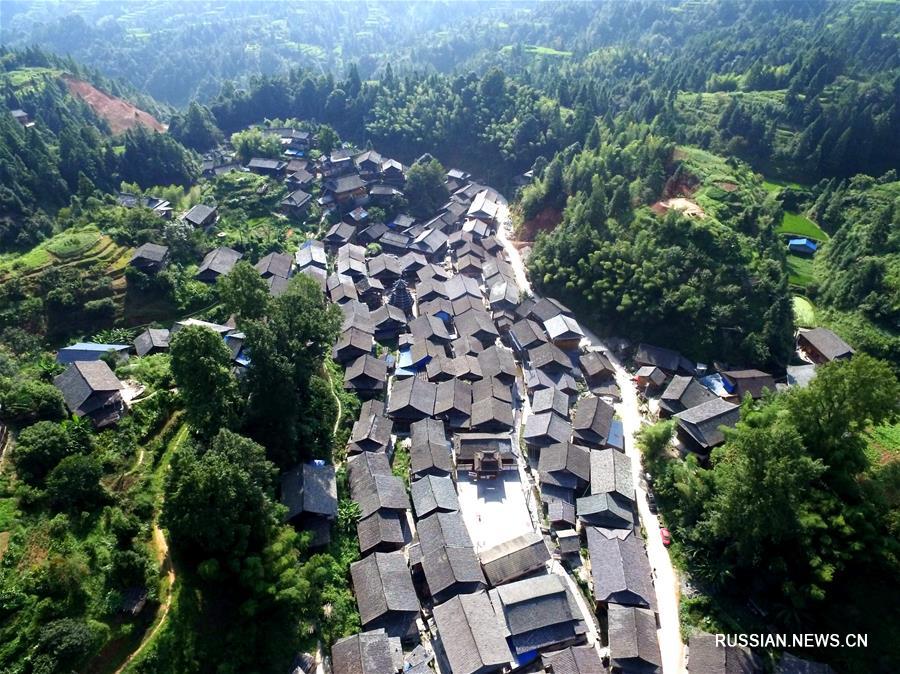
(616, 436)
(87, 351)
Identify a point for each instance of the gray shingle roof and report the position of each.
(514, 558)
(682, 393)
(319, 489)
(703, 422)
(429, 450)
(592, 420)
(550, 358)
(149, 339)
(632, 639)
(547, 428)
(605, 510)
(826, 343)
(452, 569)
(751, 382)
(362, 467)
(704, 657)
(382, 585)
(471, 633)
(382, 492)
(611, 473)
(538, 612)
(366, 373)
(454, 402)
(498, 361)
(443, 528)
(275, 264)
(550, 400)
(595, 364)
(620, 569)
(412, 398)
(85, 383)
(372, 431)
(150, 252)
(477, 323)
(573, 660)
(565, 465)
(363, 653)
(527, 334)
(380, 528)
(432, 493)
(219, 261)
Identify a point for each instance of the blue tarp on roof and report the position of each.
(802, 246)
(616, 436)
(88, 351)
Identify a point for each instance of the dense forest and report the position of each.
(657, 156)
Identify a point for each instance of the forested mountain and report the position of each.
(807, 88)
(70, 147)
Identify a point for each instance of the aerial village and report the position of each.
(524, 536)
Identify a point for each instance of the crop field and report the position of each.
(804, 312)
(800, 270)
(795, 223)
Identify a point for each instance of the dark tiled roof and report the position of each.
(682, 393)
(632, 639)
(592, 420)
(703, 422)
(451, 568)
(546, 429)
(595, 364)
(380, 528)
(515, 558)
(665, 359)
(620, 569)
(538, 612)
(477, 324)
(150, 252)
(751, 382)
(606, 510)
(573, 660)
(611, 473)
(362, 468)
(431, 493)
(275, 264)
(550, 400)
(527, 334)
(149, 339)
(498, 361)
(565, 465)
(382, 585)
(704, 657)
(429, 449)
(381, 492)
(454, 402)
(826, 343)
(412, 398)
(344, 184)
(364, 653)
(366, 373)
(471, 634)
(219, 261)
(791, 664)
(549, 357)
(429, 327)
(82, 380)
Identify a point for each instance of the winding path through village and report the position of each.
(666, 580)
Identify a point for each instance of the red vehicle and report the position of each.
(666, 536)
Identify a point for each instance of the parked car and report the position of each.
(651, 502)
(666, 536)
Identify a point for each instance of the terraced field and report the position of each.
(80, 248)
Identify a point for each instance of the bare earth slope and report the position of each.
(120, 115)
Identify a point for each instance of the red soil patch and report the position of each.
(120, 115)
(545, 221)
(728, 187)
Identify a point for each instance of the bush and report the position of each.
(102, 309)
(74, 484)
(39, 449)
(29, 400)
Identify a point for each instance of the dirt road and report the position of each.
(666, 583)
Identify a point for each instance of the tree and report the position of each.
(425, 190)
(196, 128)
(24, 400)
(65, 645)
(244, 292)
(74, 484)
(201, 366)
(219, 503)
(326, 139)
(254, 143)
(288, 349)
(39, 448)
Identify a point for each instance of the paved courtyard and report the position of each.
(494, 510)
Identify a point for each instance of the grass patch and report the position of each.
(9, 513)
(795, 223)
(547, 51)
(775, 186)
(72, 244)
(800, 271)
(883, 444)
(804, 312)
